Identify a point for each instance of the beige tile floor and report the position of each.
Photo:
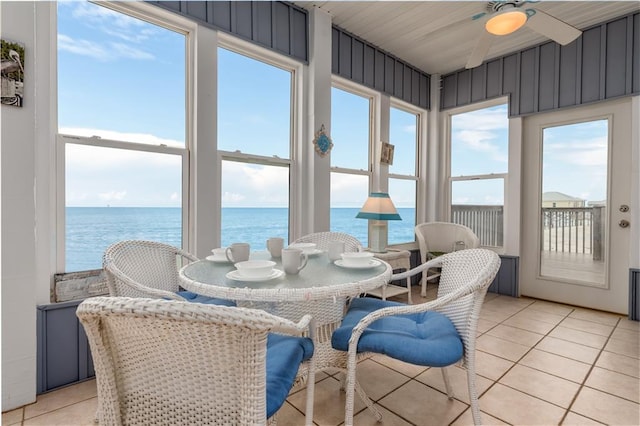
(538, 363)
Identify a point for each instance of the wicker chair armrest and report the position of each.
(285, 326)
(151, 292)
(433, 263)
(186, 255)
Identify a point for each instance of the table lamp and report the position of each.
(378, 209)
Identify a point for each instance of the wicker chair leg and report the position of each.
(368, 402)
(447, 382)
(423, 293)
(343, 381)
(473, 396)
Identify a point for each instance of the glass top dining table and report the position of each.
(320, 289)
(321, 279)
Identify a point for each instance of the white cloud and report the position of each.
(115, 25)
(229, 199)
(411, 128)
(461, 200)
(122, 50)
(482, 141)
(174, 196)
(103, 52)
(253, 185)
(83, 47)
(484, 120)
(113, 195)
(144, 138)
(586, 152)
(107, 20)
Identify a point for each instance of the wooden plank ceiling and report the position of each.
(439, 36)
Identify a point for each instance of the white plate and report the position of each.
(371, 264)
(314, 252)
(217, 259)
(235, 275)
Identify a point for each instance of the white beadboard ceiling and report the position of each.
(438, 36)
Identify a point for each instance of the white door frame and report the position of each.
(613, 295)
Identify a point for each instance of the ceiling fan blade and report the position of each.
(480, 51)
(551, 27)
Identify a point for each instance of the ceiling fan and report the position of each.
(505, 17)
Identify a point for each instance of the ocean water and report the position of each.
(90, 230)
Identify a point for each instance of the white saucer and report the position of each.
(314, 252)
(235, 275)
(371, 264)
(217, 259)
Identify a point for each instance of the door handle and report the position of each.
(623, 223)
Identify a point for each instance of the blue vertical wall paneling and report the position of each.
(279, 26)
(362, 62)
(603, 63)
(63, 354)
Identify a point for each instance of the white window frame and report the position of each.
(416, 177)
(505, 176)
(374, 126)
(373, 169)
(269, 57)
(167, 20)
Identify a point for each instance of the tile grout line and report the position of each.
(586, 377)
(520, 359)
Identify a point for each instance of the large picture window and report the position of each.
(255, 139)
(479, 167)
(403, 176)
(121, 126)
(350, 161)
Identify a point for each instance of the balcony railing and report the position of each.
(574, 230)
(487, 222)
(568, 230)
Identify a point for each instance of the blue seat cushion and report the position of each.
(426, 338)
(284, 355)
(197, 298)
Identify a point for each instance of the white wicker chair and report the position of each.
(436, 238)
(322, 239)
(170, 362)
(465, 278)
(138, 268)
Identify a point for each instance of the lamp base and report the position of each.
(378, 242)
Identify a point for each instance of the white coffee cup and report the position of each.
(219, 252)
(238, 252)
(357, 258)
(336, 248)
(274, 245)
(293, 260)
(308, 248)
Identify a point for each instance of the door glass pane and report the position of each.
(255, 200)
(348, 194)
(574, 199)
(479, 204)
(117, 194)
(403, 195)
(254, 106)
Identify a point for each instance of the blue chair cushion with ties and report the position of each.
(425, 338)
(197, 298)
(284, 355)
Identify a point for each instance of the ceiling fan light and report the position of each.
(506, 22)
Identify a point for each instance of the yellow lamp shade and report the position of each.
(506, 22)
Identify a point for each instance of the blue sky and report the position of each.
(122, 78)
